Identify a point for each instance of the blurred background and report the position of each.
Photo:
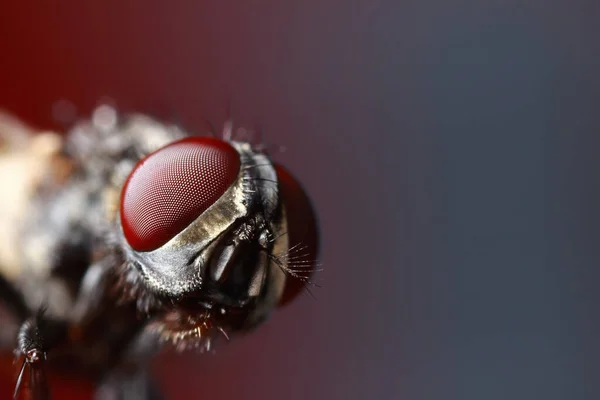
(449, 147)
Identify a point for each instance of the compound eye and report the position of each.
(171, 187)
(303, 232)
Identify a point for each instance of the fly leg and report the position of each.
(131, 347)
(37, 335)
(32, 348)
(130, 379)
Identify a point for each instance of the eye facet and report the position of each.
(302, 231)
(171, 187)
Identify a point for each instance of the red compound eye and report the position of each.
(171, 187)
(303, 231)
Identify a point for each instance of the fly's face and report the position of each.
(212, 229)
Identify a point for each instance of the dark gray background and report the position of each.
(450, 149)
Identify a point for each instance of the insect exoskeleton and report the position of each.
(220, 233)
(127, 233)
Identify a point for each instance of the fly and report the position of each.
(127, 235)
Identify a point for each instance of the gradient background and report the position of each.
(450, 148)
